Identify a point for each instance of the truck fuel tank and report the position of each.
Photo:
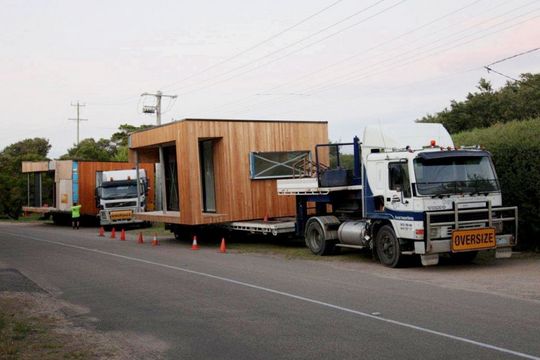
(353, 232)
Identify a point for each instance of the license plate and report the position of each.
(473, 239)
(121, 215)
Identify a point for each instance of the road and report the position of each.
(185, 304)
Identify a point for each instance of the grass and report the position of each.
(44, 336)
(27, 218)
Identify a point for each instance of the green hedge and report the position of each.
(515, 147)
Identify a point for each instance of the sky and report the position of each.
(349, 62)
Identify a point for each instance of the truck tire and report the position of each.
(315, 239)
(388, 248)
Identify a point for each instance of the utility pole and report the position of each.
(78, 119)
(156, 109)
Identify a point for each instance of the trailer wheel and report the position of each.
(315, 239)
(388, 248)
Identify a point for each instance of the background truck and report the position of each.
(405, 192)
(119, 197)
(53, 186)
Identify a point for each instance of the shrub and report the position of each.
(515, 147)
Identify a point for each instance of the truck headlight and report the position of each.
(434, 232)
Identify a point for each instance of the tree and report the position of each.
(113, 149)
(120, 138)
(517, 100)
(12, 181)
(91, 150)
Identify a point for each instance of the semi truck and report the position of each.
(106, 190)
(119, 197)
(408, 192)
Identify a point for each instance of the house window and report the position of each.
(206, 152)
(275, 165)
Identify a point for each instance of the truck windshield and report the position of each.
(119, 192)
(455, 175)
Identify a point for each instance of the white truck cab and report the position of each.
(411, 192)
(117, 198)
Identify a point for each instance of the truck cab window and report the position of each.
(398, 175)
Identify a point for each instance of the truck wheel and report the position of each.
(464, 257)
(315, 239)
(388, 248)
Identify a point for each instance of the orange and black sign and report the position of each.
(473, 239)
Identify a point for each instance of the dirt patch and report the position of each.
(516, 277)
(36, 325)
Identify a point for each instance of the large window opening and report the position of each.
(275, 165)
(206, 158)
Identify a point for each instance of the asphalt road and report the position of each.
(187, 304)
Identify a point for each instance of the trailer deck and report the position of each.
(308, 186)
(274, 227)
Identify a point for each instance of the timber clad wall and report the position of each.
(237, 196)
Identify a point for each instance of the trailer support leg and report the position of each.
(301, 215)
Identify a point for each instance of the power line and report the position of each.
(414, 58)
(513, 56)
(211, 84)
(363, 52)
(297, 42)
(272, 37)
(489, 69)
(391, 60)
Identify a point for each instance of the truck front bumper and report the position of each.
(505, 241)
(118, 216)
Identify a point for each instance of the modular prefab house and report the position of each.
(217, 171)
(71, 181)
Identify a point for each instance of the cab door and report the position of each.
(398, 194)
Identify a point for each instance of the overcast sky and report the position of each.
(348, 62)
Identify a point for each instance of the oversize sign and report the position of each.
(473, 239)
(121, 215)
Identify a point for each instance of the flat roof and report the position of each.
(233, 120)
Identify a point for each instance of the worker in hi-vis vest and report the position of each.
(75, 215)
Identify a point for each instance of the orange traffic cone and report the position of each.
(123, 235)
(140, 239)
(101, 232)
(194, 246)
(155, 241)
(113, 233)
(222, 248)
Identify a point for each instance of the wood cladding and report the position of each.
(237, 196)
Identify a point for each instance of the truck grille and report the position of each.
(121, 204)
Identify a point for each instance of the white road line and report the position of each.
(289, 295)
